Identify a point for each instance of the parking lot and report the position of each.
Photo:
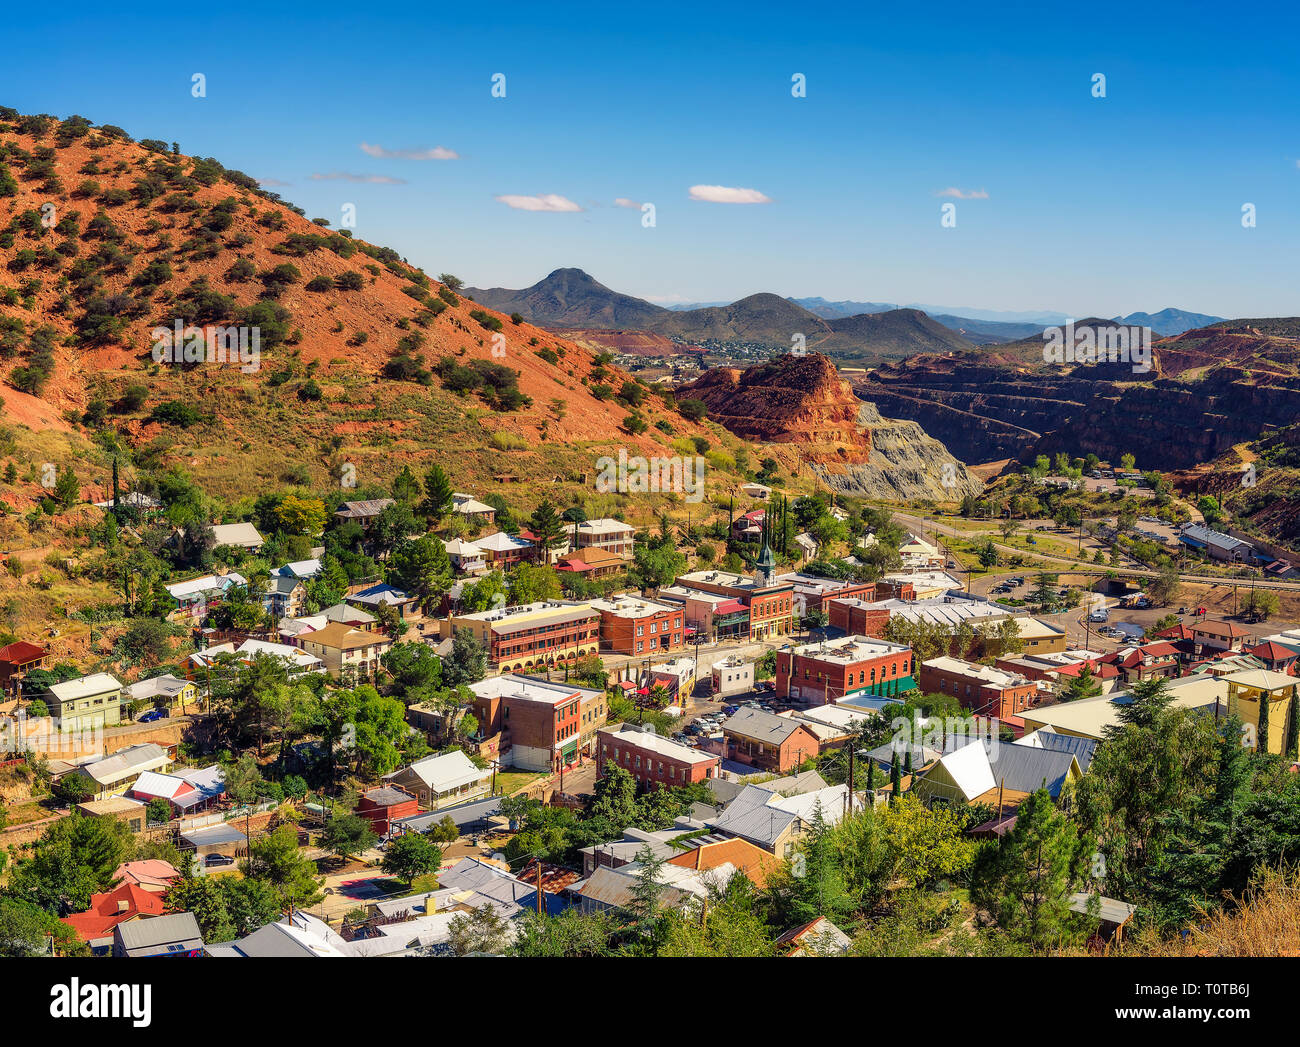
(705, 718)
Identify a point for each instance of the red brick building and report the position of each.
(822, 673)
(856, 616)
(654, 761)
(384, 805)
(631, 625)
(767, 741)
(543, 725)
(980, 688)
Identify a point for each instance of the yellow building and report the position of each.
(1246, 695)
(1040, 637)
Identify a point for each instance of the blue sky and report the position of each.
(1094, 205)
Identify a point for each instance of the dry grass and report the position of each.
(1266, 922)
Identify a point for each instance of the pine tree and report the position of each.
(66, 488)
(437, 494)
(1024, 879)
(547, 529)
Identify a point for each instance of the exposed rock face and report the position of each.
(904, 464)
(803, 403)
(1208, 391)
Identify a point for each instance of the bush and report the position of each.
(320, 283)
(175, 412)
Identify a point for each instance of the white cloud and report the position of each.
(964, 194)
(343, 176)
(272, 183)
(725, 194)
(436, 153)
(623, 201)
(539, 202)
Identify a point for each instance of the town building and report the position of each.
(614, 536)
(1150, 661)
(811, 591)
(633, 625)
(87, 703)
(984, 690)
(654, 761)
(475, 513)
(1253, 692)
(502, 551)
(767, 741)
(533, 636)
(382, 806)
(114, 774)
(344, 650)
(363, 512)
(285, 596)
(1216, 544)
(769, 603)
(731, 675)
(166, 691)
(919, 555)
(373, 597)
(441, 781)
(923, 585)
(676, 677)
(823, 673)
(194, 597)
(238, 536)
(465, 557)
(173, 935)
(542, 725)
(16, 661)
(592, 563)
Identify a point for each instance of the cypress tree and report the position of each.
(1264, 703)
(896, 779)
(115, 503)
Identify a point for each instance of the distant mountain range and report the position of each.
(570, 298)
(1170, 321)
(862, 333)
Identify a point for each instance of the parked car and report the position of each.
(152, 715)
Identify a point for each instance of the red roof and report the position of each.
(574, 564)
(729, 607)
(20, 652)
(1219, 628)
(1272, 652)
(105, 913)
(1100, 670)
(1176, 632)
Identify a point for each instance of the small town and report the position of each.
(556, 482)
(425, 723)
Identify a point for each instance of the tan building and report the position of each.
(344, 649)
(532, 636)
(1247, 692)
(1040, 637)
